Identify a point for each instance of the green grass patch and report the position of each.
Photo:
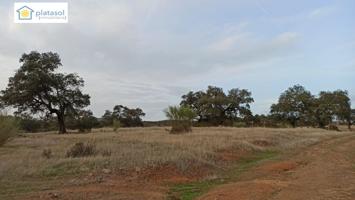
(11, 189)
(66, 168)
(190, 191)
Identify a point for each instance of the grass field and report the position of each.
(24, 170)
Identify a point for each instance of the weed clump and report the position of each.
(47, 153)
(106, 153)
(81, 150)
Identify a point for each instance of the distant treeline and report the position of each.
(295, 107)
(38, 89)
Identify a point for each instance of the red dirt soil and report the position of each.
(148, 183)
(323, 172)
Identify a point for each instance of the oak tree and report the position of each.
(37, 87)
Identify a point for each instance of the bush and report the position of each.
(47, 153)
(29, 124)
(82, 120)
(239, 124)
(116, 125)
(180, 126)
(81, 150)
(333, 127)
(8, 128)
(85, 124)
(181, 118)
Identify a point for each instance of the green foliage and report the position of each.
(85, 121)
(293, 105)
(180, 113)
(298, 106)
(107, 119)
(128, 117)
(37, 88)
(29, 124)
(181, 118)
(8, 128)
(215, 107)
(81, 150)
(332, 105)
(239, 124)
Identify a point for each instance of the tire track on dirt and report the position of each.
(325, 171)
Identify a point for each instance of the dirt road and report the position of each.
(322, 172)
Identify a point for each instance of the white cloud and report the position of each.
(229, 42)
(127, 57)
(322, 12)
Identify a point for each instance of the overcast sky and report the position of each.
(147, 53)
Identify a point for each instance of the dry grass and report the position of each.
(141, 147)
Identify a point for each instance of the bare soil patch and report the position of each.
(324, 171)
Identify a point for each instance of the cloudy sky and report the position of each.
(147, 53)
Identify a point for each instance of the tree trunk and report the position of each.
(61, 123)
(293, 123)
(349, 124)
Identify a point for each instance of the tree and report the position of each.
(127, 117)
(37, 88)
(332, 105)
(294, 104)
(239, 104)
(107, 118)
(215, 107)
(181, 118)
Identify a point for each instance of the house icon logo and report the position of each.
(24, 13)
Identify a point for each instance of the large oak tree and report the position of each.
(332, 105)
(37, 87)
(215, 107)
(294, 104)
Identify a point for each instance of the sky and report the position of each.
(148, 53)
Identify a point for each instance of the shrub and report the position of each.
(82, 120)
(86, 122)
(116, 125)
(333, 127)
(8, 128)
(239, 124)
(180, 126)
(29, 124)
(181, 118)
(81, 150)
(47, 153)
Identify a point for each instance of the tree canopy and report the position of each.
(294, 105)
(297, 105)
(37, 88)
(215, 107)
(128, 117)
